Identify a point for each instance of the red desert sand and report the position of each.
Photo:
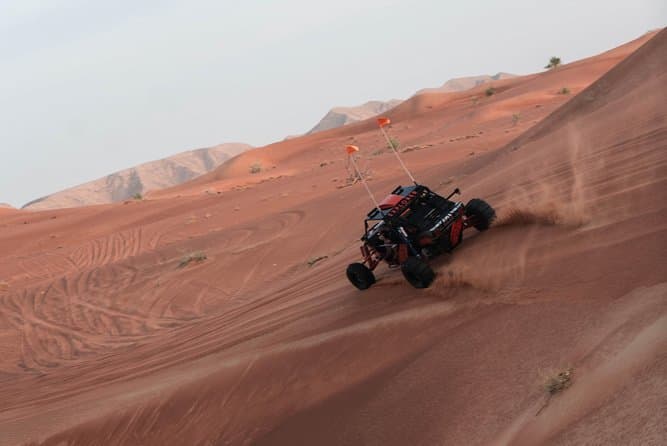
(200, 315)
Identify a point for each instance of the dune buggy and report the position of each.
(409, 227)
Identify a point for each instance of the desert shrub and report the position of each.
(393, 143)
(554, 62)
(490, 91)
(256, 168)
(558, 383)
(198, 256)
(314, 260)
(138, 196)
(555, 384)
(564, 90)
(516, 117)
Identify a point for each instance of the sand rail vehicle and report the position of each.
(412, 225)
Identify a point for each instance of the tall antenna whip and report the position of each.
(382, 122)
(350, 153)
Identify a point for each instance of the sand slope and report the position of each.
(580, 284)
(107, 338)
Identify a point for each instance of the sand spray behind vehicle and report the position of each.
(549, 204)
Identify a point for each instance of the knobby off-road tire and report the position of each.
(360, 276)
(417, 273)
(480, 213)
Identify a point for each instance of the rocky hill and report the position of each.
(138, 180)
(340, 116)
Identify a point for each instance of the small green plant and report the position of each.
(475, 100)
(198, 257)
(255, 168)
(490, 91)
(554, 62)
(393, 143)
(516, 117)
(564, 90)
(137, 196)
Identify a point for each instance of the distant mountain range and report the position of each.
(152, 175)
(340, 116)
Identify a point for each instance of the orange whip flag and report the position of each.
(351, 149)
(392, 144)
(382, 121)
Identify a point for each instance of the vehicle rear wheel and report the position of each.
(480, 213)
(417, 273)
(360, 276)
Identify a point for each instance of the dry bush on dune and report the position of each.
(314, 260)
(353, 177)
(559, 382)
(255, 168)
(197, 257)
(393, 143)
(556, 383)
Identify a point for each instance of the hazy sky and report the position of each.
(91, 87)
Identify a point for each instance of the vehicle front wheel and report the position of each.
(417, 273)
(480, 214)
(360, 276)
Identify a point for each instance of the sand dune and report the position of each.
(141, 179)
(111, 332)
(7, 209)
(340, 116)
(466, 83)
